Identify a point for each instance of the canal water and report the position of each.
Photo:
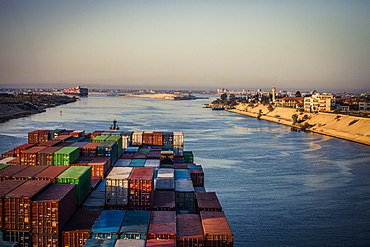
(277, 187)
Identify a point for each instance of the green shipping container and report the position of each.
(66, 155)
(188, 157)
(2, 166)
(79, 175)
(117, 139)
(100, 138)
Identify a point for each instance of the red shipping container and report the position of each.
(21, 148)
(100, 166)
(95, 134)
(29, 156)
(148, 138)
(38, 136)
(189, 230)
(46, 156)
(78, 230)
(157, 138)
(15, 161)
(51, 173)
(53, 208)
(9, 171)
(17, 205)
(141, 187)
(28, 173)
(9, 153)
(89, 150)
(163, 201)
(162, 225)
(216, 229)
(207, 201)
(6, 187)
(50, 143)
(197, 177)
(45, 240)
(160, 243)
(61, 138)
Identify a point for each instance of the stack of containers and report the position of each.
(100, 166)
(66, 155)
(116, 187)
(50, 143)
(89, 149)
(46, 156)
(95, 133)
(137, 138)
(141, 187)
(118, 140)
(163, 201)
(51, 210)
(178, 143)
(108, 149)
(79, 175)
(126, 137)
(137, 162)
(189, 230)
(123, 163)
(216, 229)
(9, 171)
(108, 224)
(100, 138)
(28, 173)
(152, 163)
(78, 229)
(55, 133)
(135, 225)
(38, 136)
(165, 180)
(147, 138)
(197, 175)
(167, 139)
(18, 150)
(29, 156)
(162, 225)
(50, 173)
(184, 190)
(207, 201)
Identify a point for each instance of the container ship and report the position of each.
(69, 188)
(76, 91)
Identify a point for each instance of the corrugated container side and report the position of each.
(38, 136)
(162, 225)
(163, 201)
(21, 148)
(53, 208)
(66, 155)
(79, 175)
(100, 166)
(8, 172)
(6, 187)
(89, 150)
(45, 240)
(130, 242)
(216, 229)
(96, 133)
(99, 138)
(207, 201)
(108, 149)
(167, 139)
(189, 230)
(17, 205)
(197, 176)
(178, 138)
(117, 185)
(9, 153)
(108, 224)
(46, 156)
(102, 185)
(135, 225)
(161, 243)
(23, 238)
(137, 138)
(92, 242)
(29, 156)
(184, 194)
(95, 181)
(78, 229)
(50, 143)
(51, 173)
(141, 186)
(28, 173)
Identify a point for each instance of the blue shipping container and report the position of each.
(137, 162)
(182, 174)
(135, 225)
(91, 242)
(108, 224)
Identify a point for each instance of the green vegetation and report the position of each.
(35, 99)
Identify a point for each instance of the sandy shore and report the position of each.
(355, 129)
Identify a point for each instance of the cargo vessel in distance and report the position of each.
(76, 91)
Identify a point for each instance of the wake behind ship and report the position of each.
(76, 91)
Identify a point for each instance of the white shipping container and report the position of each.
(152, 163)
(7, 159)
(137, 138)
(178, 150)
(125, 142)
(130, 242)
(178, 138)
(116, 186)
(166, 173)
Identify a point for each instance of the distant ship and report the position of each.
(76, 91)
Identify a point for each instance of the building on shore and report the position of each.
(319, 102)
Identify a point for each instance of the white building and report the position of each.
(319, 102)
(364, 106)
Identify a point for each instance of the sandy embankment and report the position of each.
(355, 129)
(152, 96)
(8, 111)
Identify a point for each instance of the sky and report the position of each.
(321, 45)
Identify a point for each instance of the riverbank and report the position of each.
(346, 127)
(164, 96)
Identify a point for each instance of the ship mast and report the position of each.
(114, 126)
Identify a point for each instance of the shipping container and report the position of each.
(154, 154)
(188, 157)
(189, 230)
(2, 166)
(46, 156)
(216, 229)
(7, 160)
(28, 173)
(29, 156)
(137, 138)
(17, 204)
(21, 148)
(95, 201)
(45, 240)
(108, 149)
(117, 186)
(6, 187)
(140, 155)
(118, 140)
(178, 151)
(137, 162)
(152, 163)
(123, 163)
(194, 166)
(66, 155)
(131, 150)
(199, 189)
(15, 161)
(102, 185)
(100, 166)
(178, 139)
(135, 225)
(182, 174)
(79, 175)
(180, 166)
(100, 138)
(207, 201)
(78, 229)
(7, 243)
(141, 187)
(92, 242)
(50, 143)
(96, 133)
(38, 136)
(197, 176)
(147, 138)
(78, 144)
(78, 133)
(161, 243)
(8, 172)
(108, 224)
(127, 156)
(53, 208)
(22, 238)
(165, 184)
(163, 201)
(162, 225)
(184, 192)
(167, 139)
(89, 150)
(55, 133)
(166, 173)
(62, 138)
(50, 173)
(130, 243)
(9, 153)
(166, 154)
(95, 181)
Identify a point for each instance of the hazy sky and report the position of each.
(297, 44)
